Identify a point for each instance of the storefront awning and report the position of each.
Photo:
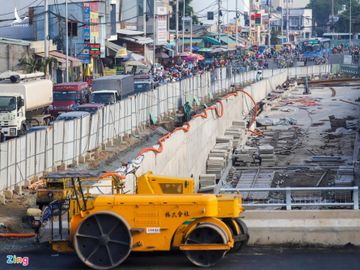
(212, 41)
(61, 58)
(120, 51)
(138, 39)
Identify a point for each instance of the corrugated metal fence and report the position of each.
(64, 142)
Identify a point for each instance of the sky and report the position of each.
(200, 6)
(7, 6)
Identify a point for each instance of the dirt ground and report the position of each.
(312, 117)
(305, 131)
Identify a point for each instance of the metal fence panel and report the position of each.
(11, 178)
(30, 154)
(49, 145)
(3, 164)
(40, 149)
(58, 142)
(20, 159)
(69, 142)
(84, 135)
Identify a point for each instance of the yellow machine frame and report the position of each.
(164, 214)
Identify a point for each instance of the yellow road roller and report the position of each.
(165, 214)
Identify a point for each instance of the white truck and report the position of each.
(110, 89)
(22, 104)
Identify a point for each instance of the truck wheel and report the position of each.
(103, 240)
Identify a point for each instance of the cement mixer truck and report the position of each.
(24, 100)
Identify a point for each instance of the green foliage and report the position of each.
(322, 10)
(31, 64)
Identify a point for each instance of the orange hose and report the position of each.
(255, 107)
(17, 235)
(202, 115)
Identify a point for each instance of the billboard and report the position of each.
(161, 26)
(90, 31)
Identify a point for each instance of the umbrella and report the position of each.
(184, 54)
(162, 55)
(136, 57)
(217, 50)
(198, 57)
(135, 63)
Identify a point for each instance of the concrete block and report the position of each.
(82, 159)
(303, 227)
(61, 167)
(2, 198)
(8, 194)
(18, 189)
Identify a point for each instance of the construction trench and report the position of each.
(264, 135)
(297, 140)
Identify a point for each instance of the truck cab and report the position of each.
(23, 103)
(12, 115)
(143, 83)
(110, 89)
(105, 97)
(67, 96)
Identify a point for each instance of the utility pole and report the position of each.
(144, 26)
(177, 28)
(269, 25)
(219, 19)
(282, 19)
(46, 29)
(332, 17)
(350, 17)
(67, 41)
(144, 21)
(183, 27)
(191, 32)
(154, 30)
(236, 23)
(287, 21)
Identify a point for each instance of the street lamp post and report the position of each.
(67, 41)
(177, 28)
(154, 35)
(183, 26)
(350, 25)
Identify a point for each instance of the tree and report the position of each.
(344, 18)
(31, 64)
(322, 10)
(188, 10)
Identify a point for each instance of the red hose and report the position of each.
(255, 111)
(162, 139)
(17, 235)
(202, 115)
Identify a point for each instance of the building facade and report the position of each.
(300, 24)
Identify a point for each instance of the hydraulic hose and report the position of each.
(17, 235)
(204, 114)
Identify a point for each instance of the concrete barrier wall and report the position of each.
(302, 227)
(65, 143)
(184, 154)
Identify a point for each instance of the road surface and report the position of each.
(250, 258)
